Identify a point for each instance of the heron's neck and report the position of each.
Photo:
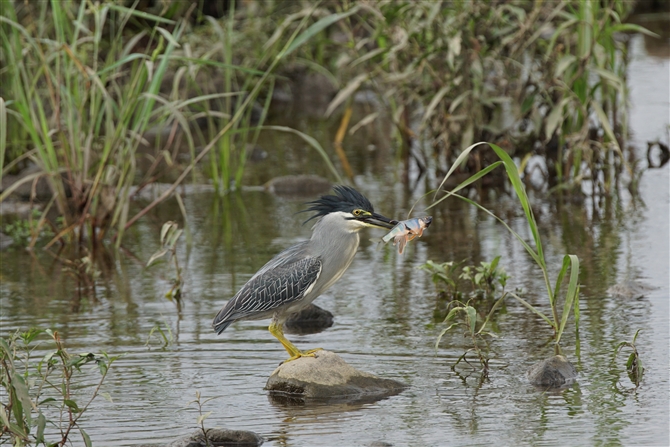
(332, 236)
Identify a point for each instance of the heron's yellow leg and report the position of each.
(295, 353)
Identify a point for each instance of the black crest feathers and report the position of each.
(345, 199)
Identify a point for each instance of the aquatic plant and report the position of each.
(170, 233)
(200, 421)
(41, 393)
(570, 262)
(25, 232)
(634, 362)
(484, 278)
(468, 319)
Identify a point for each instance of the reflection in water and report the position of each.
(383, 309)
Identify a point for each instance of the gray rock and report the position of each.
(20, 210)
(5, 241)
(553, 372)
(326, 376)
(310, 320)
(219, 437)
(630, 289)
(298, 185)
(25, 189)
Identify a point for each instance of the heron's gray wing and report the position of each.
(269, 290)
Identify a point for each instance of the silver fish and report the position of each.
(406, 230)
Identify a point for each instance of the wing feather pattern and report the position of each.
(268, 290)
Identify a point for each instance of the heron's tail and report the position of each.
(222, 320)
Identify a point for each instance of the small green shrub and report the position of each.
(37, 393)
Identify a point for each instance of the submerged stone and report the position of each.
(327, 376)
(219, 437)
(630, 289)
(553, 372)
(298, 185)
(5, 241)
(310, 320)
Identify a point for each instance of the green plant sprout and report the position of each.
(200, 421)
(170, 233)
(634, 363)
(468, 319)
(165, 332)
(484, 278)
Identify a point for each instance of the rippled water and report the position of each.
(384, 310)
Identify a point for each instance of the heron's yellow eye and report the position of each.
(358, 213)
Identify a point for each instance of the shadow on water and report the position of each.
(384, 313)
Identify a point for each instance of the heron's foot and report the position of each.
(298, 354)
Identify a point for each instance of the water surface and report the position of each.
(384, 316)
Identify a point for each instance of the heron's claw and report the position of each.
(297, 355)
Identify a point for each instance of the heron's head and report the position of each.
(354, 208)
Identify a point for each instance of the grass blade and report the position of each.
(312, 142)
(573, 289)
(317, 27)
(532, 308)
(3, 135)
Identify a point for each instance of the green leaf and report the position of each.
(122, 61)
(202, 417)
(532, 308)
(433, 104)
(444, 331)
(102, 366)
(72, 405)
(452, 314)
(635, 336)
(41, 425)
(472, 318)
(633, 28)
(346, 92)
(563, 64)
(3, 134)
(21, 390)
(490, 315)
(605, 122)
(140, 14)
(312, 142)
(554, 119)
(494, 264)
(167, 226)
(87, 439)
(168, 36)
(317, 27)
(528, 103)
(157, 255)
(573, 289)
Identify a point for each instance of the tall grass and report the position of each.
(86, 96)
(570, 298)
(543, 78)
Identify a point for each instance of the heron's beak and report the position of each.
(379, 221)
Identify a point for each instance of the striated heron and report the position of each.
(299, 274)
